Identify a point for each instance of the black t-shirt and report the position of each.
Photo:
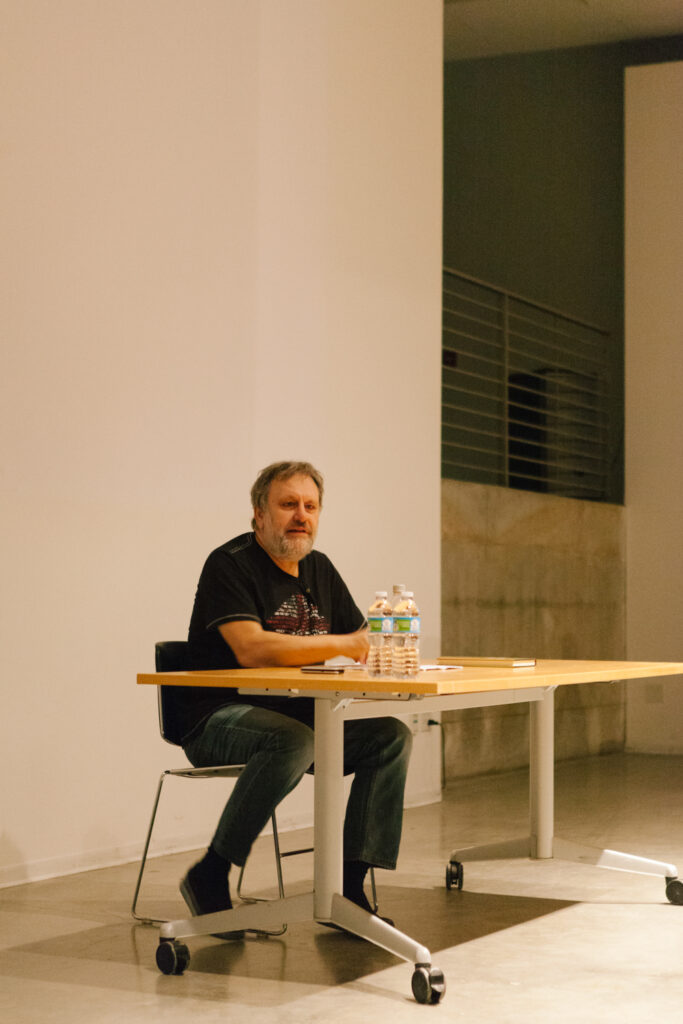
(240, 581)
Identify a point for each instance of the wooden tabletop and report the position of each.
(451, 681)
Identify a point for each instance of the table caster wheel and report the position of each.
(455, 874)
(172, 956)
(428, 984)
(674, 891)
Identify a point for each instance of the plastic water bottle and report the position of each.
(405, 660)
(379, 635)
(397, 593)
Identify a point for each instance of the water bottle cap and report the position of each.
(380, 593)
(407, 593)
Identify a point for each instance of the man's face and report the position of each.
(287, 527)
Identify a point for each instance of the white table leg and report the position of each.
(542, 775)
(541, 842)
(328, 806)
(330, 905)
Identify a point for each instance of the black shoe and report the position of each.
(361, 902)
(204, 897)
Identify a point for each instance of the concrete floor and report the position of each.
(523, 942)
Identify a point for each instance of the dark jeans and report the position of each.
(277, 750)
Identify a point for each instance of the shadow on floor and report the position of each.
(308, 953)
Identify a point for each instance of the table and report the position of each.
(354, 694)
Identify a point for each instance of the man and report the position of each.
(266, 598)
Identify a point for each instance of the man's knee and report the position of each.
(394, 736)
(295, 742)
(404, 736)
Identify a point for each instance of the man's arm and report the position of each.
(255, 647)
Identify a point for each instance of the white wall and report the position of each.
(221, 246)
(654, 395)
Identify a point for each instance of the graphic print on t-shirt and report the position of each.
(298, 617)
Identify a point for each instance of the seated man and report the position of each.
(265, 598)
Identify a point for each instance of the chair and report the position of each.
(172, 656)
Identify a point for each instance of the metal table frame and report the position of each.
(353, 695)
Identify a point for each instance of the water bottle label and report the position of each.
(379, 624)
(406, 624)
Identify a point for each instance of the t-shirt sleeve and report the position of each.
(227, 593)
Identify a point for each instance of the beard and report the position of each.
(280, 544)
(292, 547)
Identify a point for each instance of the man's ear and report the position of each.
(258, 518)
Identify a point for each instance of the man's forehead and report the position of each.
(295, 484)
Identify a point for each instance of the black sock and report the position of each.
(215, 865)
(354, 877)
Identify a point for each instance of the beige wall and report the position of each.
(221, 245)
(654, 390)
(532, 575)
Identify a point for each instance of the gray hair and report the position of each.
(282, 471)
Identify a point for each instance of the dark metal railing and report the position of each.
(524, 393)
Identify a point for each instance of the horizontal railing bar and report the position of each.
(530, 473)
(593, 448)
(465, 301)
(564, 409)
(553, 485)
(526, 302)
(497, 474)
(520, 456)
(567, 415)
(470, 337)
(517, 368)
(496, 297)
(565, 344)
(598, 429)
(557, 328)
(499, 400)
(551, 347)
(548, 385)
(497, 478)
(562, 442)
(559, 463)
(472, 375)
(476, 358)
(475, 448)
(477, 431)
(581, 403)
(471, 412)
(552, 404)
(467, 315)
(546, 480)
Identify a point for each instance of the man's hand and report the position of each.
(255, 647)
(358, 645)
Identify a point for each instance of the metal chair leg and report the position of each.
(146, 919)
(280, 882)
(374, 889)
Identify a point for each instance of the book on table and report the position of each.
(489, 662)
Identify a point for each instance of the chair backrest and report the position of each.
(170, 656)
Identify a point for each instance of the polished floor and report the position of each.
(523, 942)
